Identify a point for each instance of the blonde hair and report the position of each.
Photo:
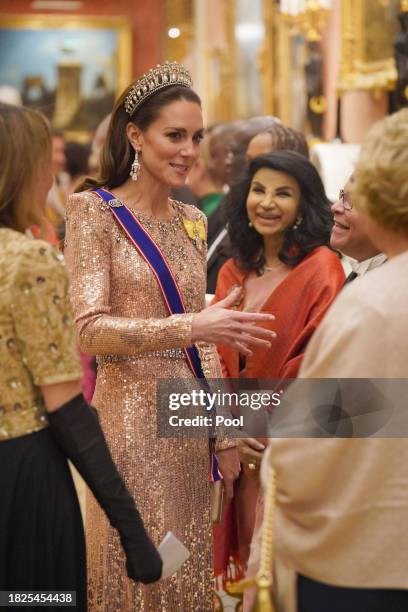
(380, 186)
(25, 143)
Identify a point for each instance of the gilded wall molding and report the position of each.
(364, 65)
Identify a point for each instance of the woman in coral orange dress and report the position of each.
(279, 225)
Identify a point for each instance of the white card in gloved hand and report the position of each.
(173, 554)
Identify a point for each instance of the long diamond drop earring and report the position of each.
(135, 169)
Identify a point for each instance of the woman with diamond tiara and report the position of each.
(137, 262)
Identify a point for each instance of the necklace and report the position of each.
(174, 206)
(264, 269)
(270, 268)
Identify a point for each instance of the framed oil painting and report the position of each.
(72, 69)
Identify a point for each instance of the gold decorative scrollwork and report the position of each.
(367, 52)
(310, 22)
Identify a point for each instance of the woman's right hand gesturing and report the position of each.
(218, 324)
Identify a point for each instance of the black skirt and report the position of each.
(42, 544)
(316, 596)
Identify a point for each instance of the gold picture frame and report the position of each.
(368, 31)
(70, 67)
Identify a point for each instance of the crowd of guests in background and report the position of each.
(273, 232)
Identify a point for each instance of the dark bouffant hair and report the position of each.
(314, 229)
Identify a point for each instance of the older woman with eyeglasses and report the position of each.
(342, 504)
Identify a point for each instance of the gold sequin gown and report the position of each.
(121, 318)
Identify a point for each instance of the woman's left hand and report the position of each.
(230, 467)
(250, 451)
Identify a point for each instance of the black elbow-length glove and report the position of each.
(77, 431)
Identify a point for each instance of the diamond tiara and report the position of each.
(164, 75)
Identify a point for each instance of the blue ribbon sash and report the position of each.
(155, 259)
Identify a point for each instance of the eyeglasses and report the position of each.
(345, 200)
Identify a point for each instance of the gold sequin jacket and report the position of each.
(37, 343)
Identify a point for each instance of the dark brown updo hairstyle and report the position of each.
(285, 138)
(117, 154)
